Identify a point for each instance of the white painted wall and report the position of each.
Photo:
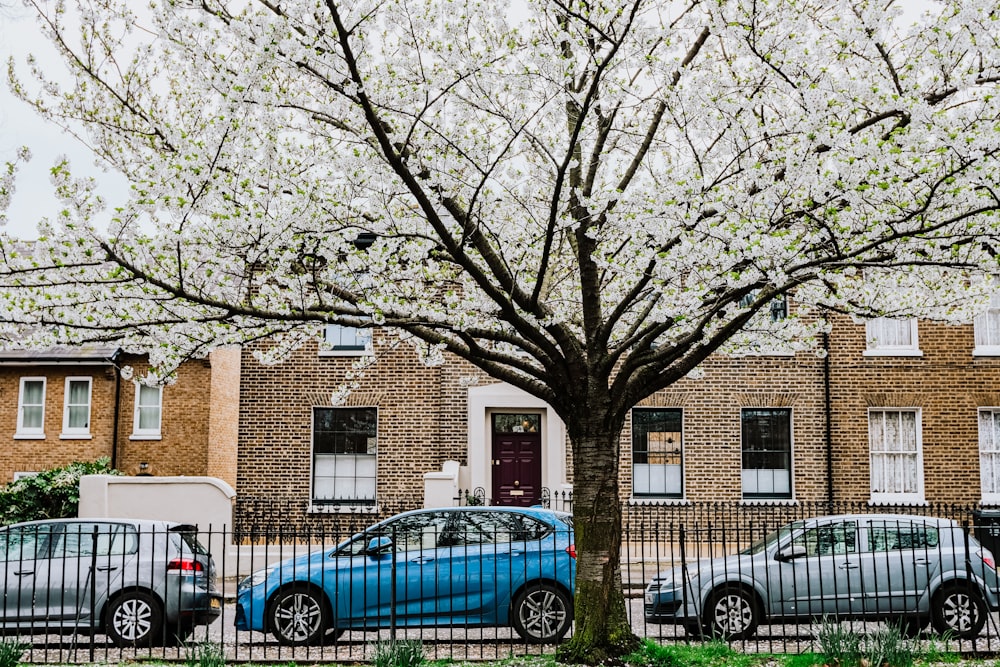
(206, 502)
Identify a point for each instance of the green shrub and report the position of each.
(399, 653)
(51, 494)
(11, 651)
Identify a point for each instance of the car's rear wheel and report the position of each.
(731, 613)
(299, 616)
(542, 614)
(960, 611)
(134, 619)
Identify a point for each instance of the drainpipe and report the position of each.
(117, 411)
(827, 404)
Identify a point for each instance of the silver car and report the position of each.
(910, 570)
(139, 582)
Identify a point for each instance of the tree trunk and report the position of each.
(602, 628)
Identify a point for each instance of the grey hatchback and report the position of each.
(140, 582)
(905, 569)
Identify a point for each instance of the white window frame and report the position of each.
(874, 331)
(350, 460)
(989, 454)
(30, 432)
(77, 432)
(986, 327)
(334, 332)
(887, 450)
(768, 484)
(139, 433)
(647, 475)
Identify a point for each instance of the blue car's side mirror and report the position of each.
(379, 546)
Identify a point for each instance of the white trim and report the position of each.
(994, 497)
(914, 498)
(83, 432)
(791, 458)
(325, 347)
(502, 397)
(873, 349)
(352, 504)
(986, 351)
(23, 433)
(147, 433)
(683, 465)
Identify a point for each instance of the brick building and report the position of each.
(63, 405)
(895, 412)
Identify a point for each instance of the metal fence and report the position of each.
(88, 590)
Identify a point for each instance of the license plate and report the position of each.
(215, 603)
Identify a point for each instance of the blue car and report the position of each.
(457, 566)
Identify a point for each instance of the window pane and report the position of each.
(657, 452)
(345, 447)
(893, 445)
(149, 408)
(989, 452)
(767, 452)
(32, 393)
(347, 339)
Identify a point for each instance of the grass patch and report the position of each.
(711, 654)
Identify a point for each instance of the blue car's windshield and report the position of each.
(772, 538)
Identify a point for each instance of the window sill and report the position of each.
(345, 353)
(29, 436)
(893, 353)
(899, 500)
(76, 436)
(342, 509)
(148, 436)
(665, 500)
(769, 501)
(991, 351)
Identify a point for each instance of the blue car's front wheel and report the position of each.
(299, 616)
(542, 614)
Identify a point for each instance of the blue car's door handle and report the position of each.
(421, 560)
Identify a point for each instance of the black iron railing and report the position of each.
(455, 581)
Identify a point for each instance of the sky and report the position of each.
(20, 126)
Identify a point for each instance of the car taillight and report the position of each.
(989, 561)
(571, 550)
(185, 565)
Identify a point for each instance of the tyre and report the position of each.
(135, 619)
(731, 612)
(959, 611)
(299, 616)
(542, 614)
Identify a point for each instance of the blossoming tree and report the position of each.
(585, 199)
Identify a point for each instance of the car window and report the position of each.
(189, 539)
(415, 532)
(829, 539)
(111, 539)
(473, 528)
(19, 543)
(536, 530)
(895, 535)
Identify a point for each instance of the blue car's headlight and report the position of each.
(255, 579)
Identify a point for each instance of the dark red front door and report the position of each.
(517, 459)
